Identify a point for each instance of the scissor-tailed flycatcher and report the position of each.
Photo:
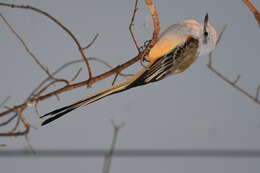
(177, 48)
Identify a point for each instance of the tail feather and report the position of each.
(135, 81)
(60, 114)
(57, 113)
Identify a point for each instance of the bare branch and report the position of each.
(31, 100)
(91, 43)
(232, 83)
(54, 73)
(4, 102)
(43, 89)
(108, 158)
(76, 75)
(156, 31)
(156, 22)
(37, 110)
(218, 40)
(221, 34)
(257, 93)
(59, 24)
(8, 120)
(29, 144)
(108, 65)
(114, 80)
(16, 124)
(132, 24)
(236, 80)
(18, 133)
(67, 65)
(29, 51)
(254, 10)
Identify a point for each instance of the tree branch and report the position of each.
(81, 50)
(230, 82)
(108, 157)
(254, 10)
(92, 42)
(132, 24)
(30, 52)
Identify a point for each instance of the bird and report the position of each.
(176, 49)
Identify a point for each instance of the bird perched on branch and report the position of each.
(177, 48)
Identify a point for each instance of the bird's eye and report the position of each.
(205, 40)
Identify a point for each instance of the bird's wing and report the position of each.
(172, 62)
(166, 43)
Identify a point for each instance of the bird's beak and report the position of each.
(206, 20)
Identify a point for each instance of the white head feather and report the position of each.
(197, 30)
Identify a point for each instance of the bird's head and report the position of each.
(207, 37)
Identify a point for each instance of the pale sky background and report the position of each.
(194, 110)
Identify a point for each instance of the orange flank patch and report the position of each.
(164, 45)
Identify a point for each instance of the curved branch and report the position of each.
(254, 10)
(156, 21)
(232, 83)
(60, 25)
(132, 24)
(30, 52)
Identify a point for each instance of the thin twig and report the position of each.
(232, 84)
(59, 24)
(8, 120)
(218, 40)
(132, 24)
(67, 65)
(29, 51)
(108, 65)
(4, 102)
(108, 157)
(54, 73)
(91, 43)
(223, 77)
(29, 144)
(16, 125)
(68, 87)
(36, 109)
(257, 93)
(43, 89)
(48, 78)
(76, 75)
(25, 121)
(236, 80)
(254, 10)
(18, 133)
(221, 34)
(114, 80)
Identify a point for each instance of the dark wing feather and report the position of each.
(165, 65)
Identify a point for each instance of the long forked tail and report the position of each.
(66, 109)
